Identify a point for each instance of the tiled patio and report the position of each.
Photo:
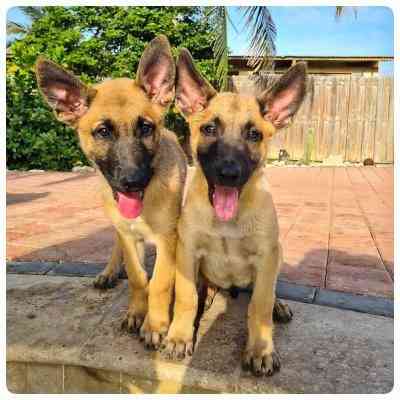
(336, 223)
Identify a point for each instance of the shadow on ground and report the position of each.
(16, 198)
(357, 273)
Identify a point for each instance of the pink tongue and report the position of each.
(225, 202)
(130, 204)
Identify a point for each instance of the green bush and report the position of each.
(95, 43)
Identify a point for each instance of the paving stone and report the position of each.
(16, 377)
(88, 380)
(43, 378)
(58, 216)
(133, 385)
(50, 317)
(349, 301)
(323, 350)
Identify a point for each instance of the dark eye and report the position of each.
(209, 130)
(103, 132)
(145, 128)
(253, 135)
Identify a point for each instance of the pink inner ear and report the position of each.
(59, 93)
(155, 80)
(190, 97)
(279, 109)
(68, 102)
(156, 83)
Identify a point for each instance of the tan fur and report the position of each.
(245, 249)
(237, 252)
(122, 101)
(157, 225)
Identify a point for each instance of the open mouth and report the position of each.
(130, 204)
(225, 201)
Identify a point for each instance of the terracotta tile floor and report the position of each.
(336, 223)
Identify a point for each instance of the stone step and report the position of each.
(63, 336)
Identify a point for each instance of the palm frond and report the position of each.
(14, 28)
(340, 10)
(262, 34)
(33, 13)
(219, 15)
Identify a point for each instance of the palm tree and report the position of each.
(261, 30)
(262, 34)
(16, 28)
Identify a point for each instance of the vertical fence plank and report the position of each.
(341, 116)
(390, 132)
(318, 112)
(381, 126)
(368, 141)
(328, 116)
(355, 120)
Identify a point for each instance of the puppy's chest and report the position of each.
(227, 256)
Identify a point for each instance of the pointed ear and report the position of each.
(279, 103)
(193, 92)
(65, 93)
(156, 71)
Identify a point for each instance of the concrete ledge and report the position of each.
(76, 269)
(64, 336)
(285, 290)
(30, 267)
(349, 301)
(291, 291)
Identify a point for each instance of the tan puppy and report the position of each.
(142, 168)
(228, 230)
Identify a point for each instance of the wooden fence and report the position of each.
(348, 116)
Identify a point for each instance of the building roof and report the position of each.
(322, 58)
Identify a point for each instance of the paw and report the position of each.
(103, 281)
(152, 336)
(261, 364)
(282, 312)
(178, 345)
(178, 349)
(132, 322)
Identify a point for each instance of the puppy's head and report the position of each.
(229, 131)
(118, 121)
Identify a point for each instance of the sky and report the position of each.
(314, 31)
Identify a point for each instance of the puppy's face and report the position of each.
(118, 121)
(229, 131)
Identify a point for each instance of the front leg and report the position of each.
(161, 287)
(179, 342)
(260, 356)
(109, 276)
(138, 285)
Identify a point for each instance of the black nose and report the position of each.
(133, 181)
(228, 172)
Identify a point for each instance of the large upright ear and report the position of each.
(280, 102)
(193, 92)
(156, 71)
(64, 92)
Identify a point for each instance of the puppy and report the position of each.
(228, 229)
(142, 169)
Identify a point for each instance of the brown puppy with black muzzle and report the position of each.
(142, 169)
(228, 229)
